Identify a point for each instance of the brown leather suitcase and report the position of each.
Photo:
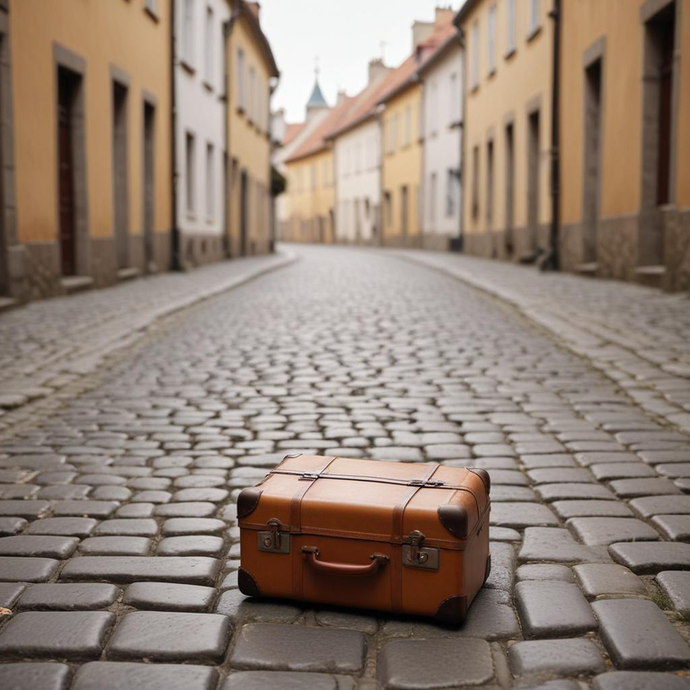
(398, 537)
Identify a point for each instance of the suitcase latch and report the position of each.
(417, 556)
(274, 541)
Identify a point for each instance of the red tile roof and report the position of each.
(316, 141)
(291, 131)
(406, 74)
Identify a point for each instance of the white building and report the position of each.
(442, 165)
(200, 129)
(358, 164)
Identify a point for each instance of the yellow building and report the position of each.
(86, 105)
(625, 140)
(401, 137)
(252, 72)
(311, 181)
(507, 132)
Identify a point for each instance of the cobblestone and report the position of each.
(637, 635)
(147, 455)
(407, 664)
(268, 646)
(557, 657)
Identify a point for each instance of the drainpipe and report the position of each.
(175, 263)
(552, 263)
(227, 32)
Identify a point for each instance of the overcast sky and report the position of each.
(344, 34)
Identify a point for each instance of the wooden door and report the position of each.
(244, 210)
(66, 176)
(666, 31)
(149, 187)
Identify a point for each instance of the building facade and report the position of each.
(252, 74)
(625, 140)
(86, 145)
(311, 181)
(200, 136)
(507, 127)
(402, 132)
(357, 147)
(441, 169)
(290, 137)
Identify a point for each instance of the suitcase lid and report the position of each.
(369, 499)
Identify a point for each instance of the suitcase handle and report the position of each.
(311, 553)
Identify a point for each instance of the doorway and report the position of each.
(592, 160)
(533, 181)
(404, 211)
(510, 190)
(69, 84)
(244, 212)
(658, 137)
(149, 184)
(120, 205)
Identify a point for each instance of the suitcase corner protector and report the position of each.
(452, 611)
(247, 501)
(247, 584)
(455, 519)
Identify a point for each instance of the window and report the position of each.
(251, 96)
(475, 55)
(208, 47)
(510, 28)
(392, 134)
(313, 176)
(190, 167)
(408, 125)
(475, 182)
(533, 16)
(388, 203)
(151, 6)
(432, 197)
(433, 109)
(223, 61)
(491, 61)
(188, 32)
(241, 95)
(451, 192)
(453, 99)
(326, 177)
(210, 183)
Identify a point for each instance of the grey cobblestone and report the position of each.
(416, 367)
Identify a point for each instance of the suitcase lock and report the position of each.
(417, 556)
(274, 541)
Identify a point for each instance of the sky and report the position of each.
(344, 35)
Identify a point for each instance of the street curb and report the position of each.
(576, 340)
(114, 340)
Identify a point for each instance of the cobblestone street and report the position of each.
(119, 543)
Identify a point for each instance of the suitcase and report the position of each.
(404, 538)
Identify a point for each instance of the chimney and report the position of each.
(341, 97)
(443, 16)
(255, 9)
(376, 70)
(420, 32)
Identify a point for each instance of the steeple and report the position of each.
(316, 100)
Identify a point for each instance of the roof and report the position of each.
(250, 14)
(453, 40)
(407, 73)
(364, 105)
(464, 11)
(291, 131)
(316, 100)
(317, 141)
